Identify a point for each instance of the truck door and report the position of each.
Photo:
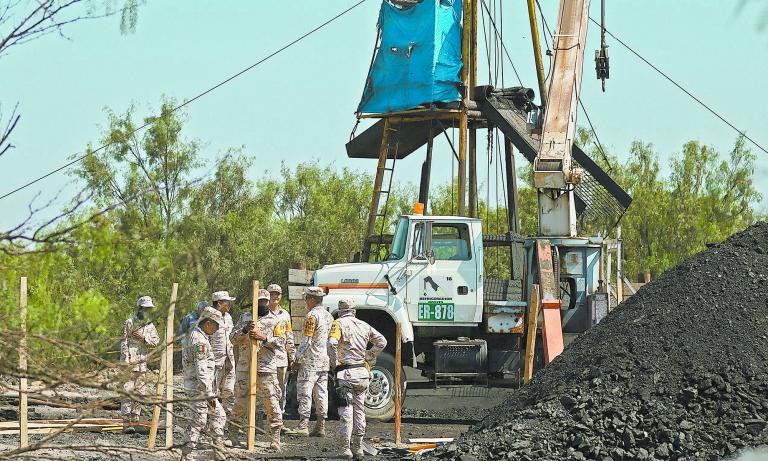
(442, 274)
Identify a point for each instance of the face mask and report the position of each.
(263, 310)
(140, 314)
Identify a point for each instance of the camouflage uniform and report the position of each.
(134, 351)
(199, 369)
(225, 358)
(286, 354)
(268, 389)
(312, 357)
(347, 344)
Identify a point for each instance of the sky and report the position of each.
(299, 106)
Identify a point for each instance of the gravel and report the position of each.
(677, 372)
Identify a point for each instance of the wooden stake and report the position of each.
(169, 337)
(23, 427)
(530, 346)
(253, 378)
(398, 391)
(156, 407)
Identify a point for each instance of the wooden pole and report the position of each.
(398, 391)
(169, 338)
(252, 374)
(530, 343)
(23, 426)
(159, 390)
(619, 272)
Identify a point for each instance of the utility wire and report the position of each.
(599, 144)
(503, 46)
(683, 89)
(189, 101)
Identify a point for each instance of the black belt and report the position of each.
(349, 366)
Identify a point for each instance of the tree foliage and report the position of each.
(224, 228)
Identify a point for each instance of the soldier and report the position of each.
(286, 355)
(190, 319)
(350, 363)
(199, 373)
(268, 329)
(312, 360)
(224, 352)
(139, 334)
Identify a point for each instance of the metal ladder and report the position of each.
(386, 167)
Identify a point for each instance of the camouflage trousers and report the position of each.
(352, 415)
(312, 385)
(282, 381)
(135, 385)
(201, 414)
(269, 393)
(224, 381)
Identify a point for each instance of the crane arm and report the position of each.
(554, 174)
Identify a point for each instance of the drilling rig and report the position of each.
(428, 276)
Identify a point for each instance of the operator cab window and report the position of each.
(450, 242)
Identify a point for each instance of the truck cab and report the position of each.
(455, 322)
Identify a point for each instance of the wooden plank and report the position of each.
(298, 308)
(530, 343)
(398, 392)
(169, 339)
(252, 373)
(300, 276)
(23, 404)
(159, 390)
(295, 292)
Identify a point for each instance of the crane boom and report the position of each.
(554, 173)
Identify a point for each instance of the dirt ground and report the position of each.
(445, 412)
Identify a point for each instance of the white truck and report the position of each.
(456, 323)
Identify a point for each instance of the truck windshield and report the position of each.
(397, 250)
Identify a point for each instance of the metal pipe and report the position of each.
(462, 173)
(512, 215)
(473, 171)
(512, 218)
(473, 50)
(537, 52)
(463, 118)
(426, 170)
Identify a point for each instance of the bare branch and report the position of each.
(5, 133)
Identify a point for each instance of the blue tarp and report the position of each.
(419, 57)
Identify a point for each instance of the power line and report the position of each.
(597, 140)
(189, 101)
(503, 46)
(683, 89)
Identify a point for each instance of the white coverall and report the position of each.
(199, 369)
(347, 345)
(134, 351)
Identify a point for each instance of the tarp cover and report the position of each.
(419, 57)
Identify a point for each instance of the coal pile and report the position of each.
(678, 372)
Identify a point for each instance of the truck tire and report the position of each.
(380, 400)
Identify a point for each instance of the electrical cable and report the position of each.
(503, 46)
(597, 140)
(683, 89)
(185, 103)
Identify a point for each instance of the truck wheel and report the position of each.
(380, 399)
